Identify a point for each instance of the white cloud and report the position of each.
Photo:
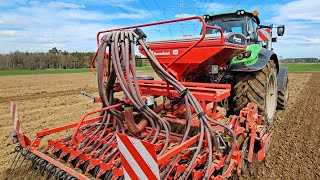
(79, 14)
(183, 15)
(39, 26)
(71, 37)
(56, 4)
(7, 32)
(298, 10)
(301, 19)
(215, 8)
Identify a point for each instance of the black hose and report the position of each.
(121, 65)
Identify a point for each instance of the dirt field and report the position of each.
(295, 148)
(54, 100)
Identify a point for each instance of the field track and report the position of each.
(54, 100)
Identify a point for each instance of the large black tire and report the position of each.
(259, 87)
(283, 96)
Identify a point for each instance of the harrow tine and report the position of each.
(50, 168)
(25, 153)
(50, 175)
(17, 170)
(18, 149)
(34, 171)
(43, 168)
(25, 166)
(47, 174)
(53, 175)
(15, 157)
(42, 165)
(37, 165)
(33, 159)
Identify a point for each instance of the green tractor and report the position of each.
(255, 73)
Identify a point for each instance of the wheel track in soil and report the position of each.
(295, 147)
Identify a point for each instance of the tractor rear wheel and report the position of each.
(259, 87)
(283, 95)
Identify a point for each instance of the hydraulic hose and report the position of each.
(121, 66)
(119, 60)
(132, 126)
(193, 101)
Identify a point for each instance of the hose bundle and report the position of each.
(121, 66)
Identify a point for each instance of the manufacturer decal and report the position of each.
(162, 53)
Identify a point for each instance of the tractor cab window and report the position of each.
(252, 29)
(236, 29)
(230, 23)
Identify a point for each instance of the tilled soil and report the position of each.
(295, 148)
(54, 100)
(43, 101)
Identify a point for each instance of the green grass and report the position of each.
(47, 71)
(56, 71)
(292, 67)
(302, 67)
(144, 68)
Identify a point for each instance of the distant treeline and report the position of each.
(57, 59)
(301, 60)
(53, 59)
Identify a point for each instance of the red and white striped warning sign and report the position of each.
(15, 117)
(139, 159)
(17, 133)
(264, 34)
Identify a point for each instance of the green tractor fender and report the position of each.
(256, 61)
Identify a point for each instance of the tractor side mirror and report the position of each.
(280, 30)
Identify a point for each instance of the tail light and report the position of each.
(245, 54)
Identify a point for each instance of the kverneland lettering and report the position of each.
(162, 53)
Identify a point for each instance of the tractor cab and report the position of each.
(241, 21)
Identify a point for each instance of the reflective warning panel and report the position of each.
(264, 34)
(139, 159)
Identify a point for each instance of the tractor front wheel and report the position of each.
(259, 87)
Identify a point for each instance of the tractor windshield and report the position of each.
(229, 23)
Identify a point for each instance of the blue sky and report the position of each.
(72, 25)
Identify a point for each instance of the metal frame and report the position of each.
(248, 116)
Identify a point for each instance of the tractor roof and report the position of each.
(248, 13)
